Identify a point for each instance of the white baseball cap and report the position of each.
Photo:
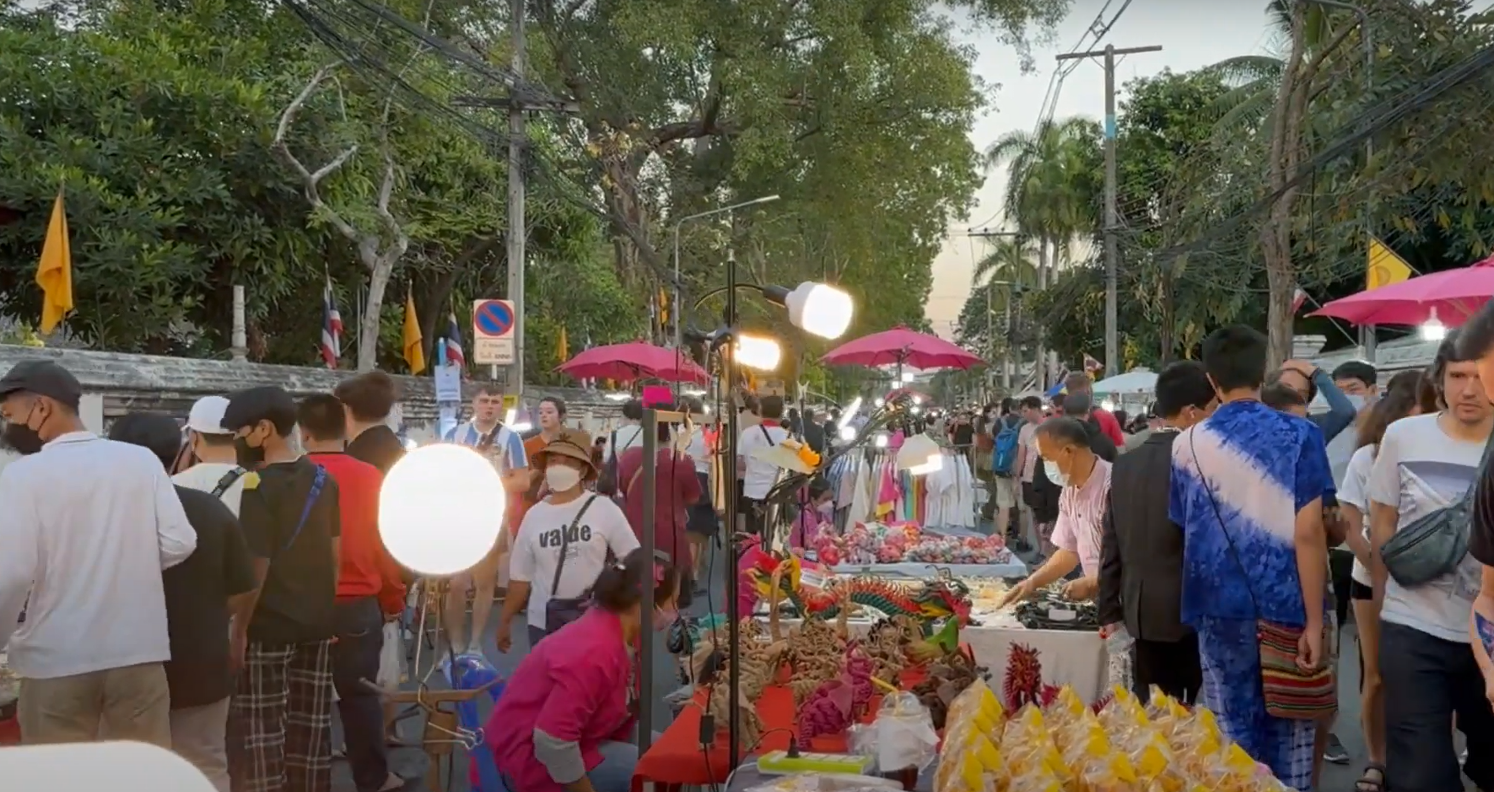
(207, 416)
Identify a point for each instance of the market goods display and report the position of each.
(876, 543)
(1065, 745)
(947, 679)
(1049, 609)
(776, 576)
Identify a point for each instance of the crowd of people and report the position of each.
(1233, 540)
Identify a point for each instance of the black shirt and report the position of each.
(299, 591)
(964, 435)
(1481, 537)
(197, 592)
(378, 446)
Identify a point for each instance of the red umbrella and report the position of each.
(634, 361)
(1453, 295)
(901, 346)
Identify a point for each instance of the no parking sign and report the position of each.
(493, 332)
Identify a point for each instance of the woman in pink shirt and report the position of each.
(565, 718)
(1068, 461)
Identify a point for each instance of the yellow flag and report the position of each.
(55, 272)
(1385, 267)
(563, 347)
(414, 355)
(663, 307)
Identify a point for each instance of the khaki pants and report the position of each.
(200, 735)
(131, 703)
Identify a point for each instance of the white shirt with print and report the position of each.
(760, 475)
(537, 546)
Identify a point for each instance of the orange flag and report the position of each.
(54, 274)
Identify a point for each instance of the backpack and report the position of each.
(1004, 457)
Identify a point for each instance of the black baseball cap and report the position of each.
(249, 406)
(43, 378)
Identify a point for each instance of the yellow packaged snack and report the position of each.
(1038, 780)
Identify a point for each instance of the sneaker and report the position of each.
(1335, 753)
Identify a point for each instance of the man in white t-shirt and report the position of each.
(217, 469)
(585, 524)
(1424, 464)
(759, 476)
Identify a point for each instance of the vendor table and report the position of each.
(677, 759)
(918, 569)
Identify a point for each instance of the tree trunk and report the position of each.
(1276, 233)
(379, 271)
(1040, 363)
(1166, 334)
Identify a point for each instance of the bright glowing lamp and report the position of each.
(1107, 405)
(847, 433)
(617, 396)
(920, 455)
(905, 378)
(880, 440)
(850, 413)
(441, 509)
(879, 402)
(816, 308)
(917, 399)
(758, 352)
(121, 766)
(916, 409)
(1433, 329)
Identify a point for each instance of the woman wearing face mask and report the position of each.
(563, 543)
(815, 506)
(567, 716)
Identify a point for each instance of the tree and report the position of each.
(856, 117)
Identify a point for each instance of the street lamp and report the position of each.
(678, 335)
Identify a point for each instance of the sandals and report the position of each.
(1369, 784)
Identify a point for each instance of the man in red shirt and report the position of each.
(369, 591)
(1079, 382)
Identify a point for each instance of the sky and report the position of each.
(1191, 34)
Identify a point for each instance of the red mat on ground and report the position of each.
(677, 759)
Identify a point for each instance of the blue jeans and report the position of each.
(614, 774)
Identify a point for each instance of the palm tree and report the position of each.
(1009, 263)
(1052, 180)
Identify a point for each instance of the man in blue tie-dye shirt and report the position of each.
(1248, 487)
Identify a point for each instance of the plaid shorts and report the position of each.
(280, 724)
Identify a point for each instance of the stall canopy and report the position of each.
(634, 361)
(901, 346)
(1450, 297)
(1135, 381)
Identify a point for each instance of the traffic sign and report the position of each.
(493, 332)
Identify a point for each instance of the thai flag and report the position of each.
(454, 356)
(1298, 298)
(331, 327)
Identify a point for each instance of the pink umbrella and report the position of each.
(901, 346)
(1452, 295)
(634, 361)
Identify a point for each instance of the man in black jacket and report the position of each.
(1141, 549)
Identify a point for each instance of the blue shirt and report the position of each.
(1261, 467)
(507, 448)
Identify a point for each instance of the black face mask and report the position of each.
(246, 455)
(21, 438)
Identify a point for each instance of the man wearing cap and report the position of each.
(216, 471)
(281, 729)
(89, 526)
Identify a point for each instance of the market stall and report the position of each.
(867, 486)
(904, 548)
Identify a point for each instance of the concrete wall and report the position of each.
(116, 384)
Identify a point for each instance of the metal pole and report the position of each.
(516, 223)
(1112, 253)
(1112, 331)
(678, 337)
(1006, 359)
(733, 613)
(647, 637)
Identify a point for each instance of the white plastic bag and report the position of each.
(905, 734)
(1118, 656)
(391, 657)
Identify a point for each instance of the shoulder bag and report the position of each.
(1290, 692)
(560, 611)
(317, 482)
(1433, 545)
(227, 481)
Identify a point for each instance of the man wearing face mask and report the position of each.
(281, 729)
(563, 542)
(217, 470)
(1141, 555)
(89, 526)
(1064, 444)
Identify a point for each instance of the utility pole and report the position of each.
(1006, 346)
(518, 142)
(1112, 254)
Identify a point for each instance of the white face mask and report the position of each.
(1054, 474)
(561, 478)
(1359, 402)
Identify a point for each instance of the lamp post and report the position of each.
(678, 333)
(817, 309)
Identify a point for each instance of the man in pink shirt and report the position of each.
(1068, 461)
(1080, 382)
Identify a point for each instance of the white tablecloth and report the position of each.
(1013, 568)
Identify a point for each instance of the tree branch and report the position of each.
(310, 181)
